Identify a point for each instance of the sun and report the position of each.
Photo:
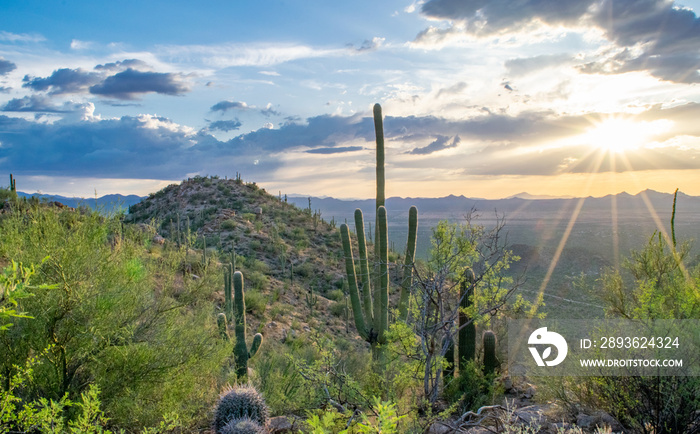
(619, 135)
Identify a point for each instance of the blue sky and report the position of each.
(481, 98)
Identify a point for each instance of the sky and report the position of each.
(482, 98)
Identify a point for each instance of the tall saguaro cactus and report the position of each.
(240, 350)
(370, 301)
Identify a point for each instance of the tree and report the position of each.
(457, 248)
(655, 282)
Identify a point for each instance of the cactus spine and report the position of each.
(490, 359)
(467, 328)
(240, 350)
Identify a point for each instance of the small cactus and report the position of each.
(243, 426)
(240, 350)
(238, 404)
(467, 328)
(221, 324)
(490, 359)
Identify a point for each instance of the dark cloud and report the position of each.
(489, 144)
(338, 150)
(368, 45)
(122, 65)
(6, 66)
(488, 17)
(63, 81)
(129, 83)
(523, 66)
(452, 90)
(224, 106)
(130, 147)
(442, 142)
(653, 35)
(32, 103)
(225, 125)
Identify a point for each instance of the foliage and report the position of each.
(457, 248)
(50, 415)
(656, 283)
(112, 316)
(14, 286)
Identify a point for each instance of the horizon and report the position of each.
(350, 199)
(580, 99)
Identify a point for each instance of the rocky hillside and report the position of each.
(283, 251)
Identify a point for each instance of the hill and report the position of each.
(291, 258)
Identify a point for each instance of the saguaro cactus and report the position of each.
(490, 359)
(370, 303)
(467, 328)
(240, 350)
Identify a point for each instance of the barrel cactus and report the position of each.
(245, 425)
(239, 403)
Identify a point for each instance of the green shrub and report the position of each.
(111, 315)
(228, 225)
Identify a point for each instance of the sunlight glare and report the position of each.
(622, 135)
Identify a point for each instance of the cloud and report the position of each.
(128, 84)
(485, 18)
(654, 36)
(251, 54)
(142, 147)
(63, 81)
(20, 37)
(527, 65)
(442, 142)
(5, 89)
(32, 103)
(225, 125)
(368, 45)
(6, 66)
(122, 65)
(452, 90)
(338, 150)
(224, 106)
(487, 144)
(76, 44)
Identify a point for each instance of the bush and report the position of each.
(112, 316)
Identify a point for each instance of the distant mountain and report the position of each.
(107, 203)
(528, 196)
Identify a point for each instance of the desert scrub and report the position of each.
(114, 316)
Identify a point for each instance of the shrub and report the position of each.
(228, 225)
(240, 403)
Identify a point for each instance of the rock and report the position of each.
(598, 419)
(508, 384)
(280, 424)
(157, 239)
(272, 325)
(529, 392)
(532, 414)
(439, 428)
